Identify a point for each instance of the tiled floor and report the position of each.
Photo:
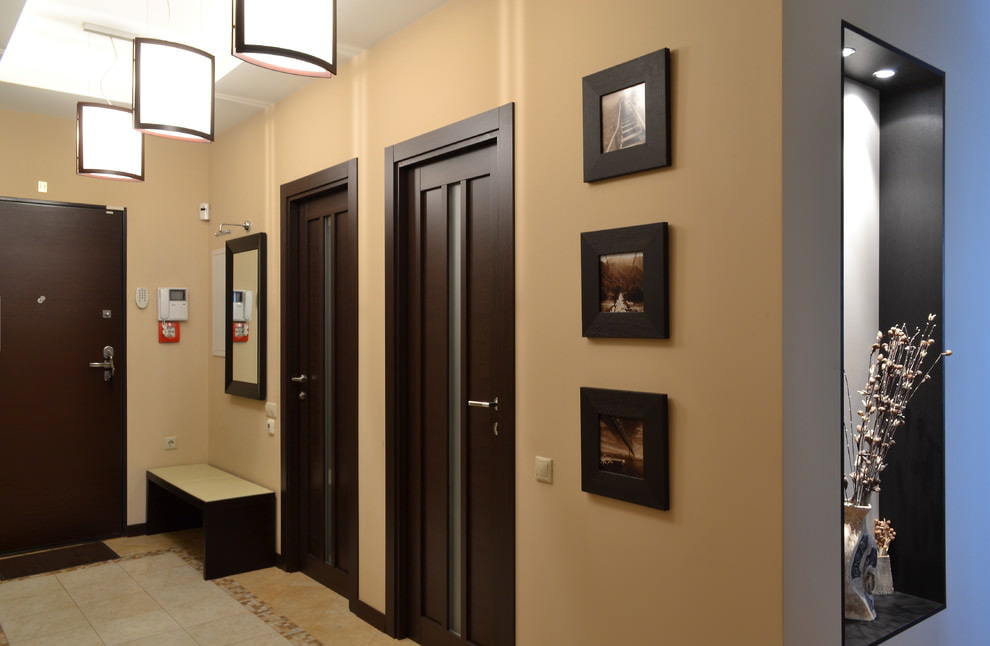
(155, 595)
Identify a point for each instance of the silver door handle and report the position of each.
(301, 379)
(478, 404)
(107, 366)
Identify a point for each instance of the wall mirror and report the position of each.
(244, 306)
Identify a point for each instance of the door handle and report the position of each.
(481, 404)
(301, 379)
(107, 365)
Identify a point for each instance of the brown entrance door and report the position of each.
(62, 433)
(451, 425)
(319, 392)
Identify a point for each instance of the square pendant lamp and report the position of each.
(173, 90)
(107, 145)
(294, 36)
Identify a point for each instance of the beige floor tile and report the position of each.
(43, 624)
(152, 580)
(189, 591)
(97, 583)
(186, 539)
(146, 602)
(29, 587)
(230, 630)
(340, 629)
(84, 636)
(25, 606)
(171, 638)
(108, 609)
(193, 612)
(89, 575)
(155, 563)
(260, 577)
(265, 640)
(120, 630)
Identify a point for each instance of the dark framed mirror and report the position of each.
(244, 307)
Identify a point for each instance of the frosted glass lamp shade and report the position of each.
(294, 36)
(173, 90)
(107, 145)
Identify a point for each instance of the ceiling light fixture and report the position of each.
(294, 36)
(848, 51)
(107, 145)
(173, 90)
(885, 73)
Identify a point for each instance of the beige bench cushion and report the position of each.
(207, 483)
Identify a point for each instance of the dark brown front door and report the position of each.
(452, 420)
(62, 432)
(320, 369)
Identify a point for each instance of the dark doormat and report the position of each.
(15, 567)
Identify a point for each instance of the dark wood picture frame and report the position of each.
(601, 407)
(649, 240)
(650, 149)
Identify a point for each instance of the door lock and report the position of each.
(106, 364)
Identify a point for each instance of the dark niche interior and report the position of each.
(911, 185)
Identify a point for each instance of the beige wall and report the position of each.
(590, 570)
(166, 247)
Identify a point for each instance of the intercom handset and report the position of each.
(173, 304)
(243, 300)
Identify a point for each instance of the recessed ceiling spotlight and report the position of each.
(884, 73)
(848, 51)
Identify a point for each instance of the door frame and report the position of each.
(341, 177)
(120, 358)
(494, 125)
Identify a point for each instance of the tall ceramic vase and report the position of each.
(861, 564)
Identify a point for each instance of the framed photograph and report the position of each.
(627, 117)
(624, 282)
(624, 446)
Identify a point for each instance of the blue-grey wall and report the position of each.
(952, 35)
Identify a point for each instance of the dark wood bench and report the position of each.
(237, 516)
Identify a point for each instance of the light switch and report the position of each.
(271, 409)
(544, 469)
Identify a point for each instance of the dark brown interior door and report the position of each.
(455, 408)
(320, 393)
(62, 436)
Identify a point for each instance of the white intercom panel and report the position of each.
(242, 303)
(173, 304)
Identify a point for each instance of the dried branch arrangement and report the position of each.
(884, 534)
(897, 369)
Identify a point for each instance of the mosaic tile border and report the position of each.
(284, 626)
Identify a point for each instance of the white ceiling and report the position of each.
(48, 62)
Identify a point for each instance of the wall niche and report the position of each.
(893, 185)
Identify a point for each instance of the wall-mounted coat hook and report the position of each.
(226, 232)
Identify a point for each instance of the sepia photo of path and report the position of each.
(624, 118)
(620, 282)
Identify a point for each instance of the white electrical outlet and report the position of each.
(270, 426)
(170, 443)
